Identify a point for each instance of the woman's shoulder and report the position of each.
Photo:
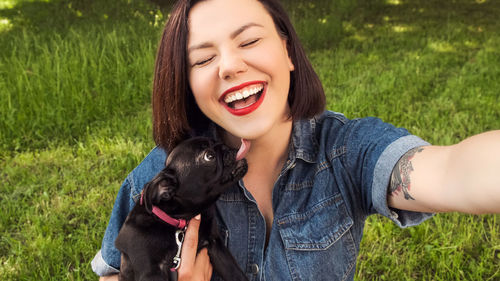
(335, 122)
(151, 165)
(155, 160)
(331, 116)
(335, 132)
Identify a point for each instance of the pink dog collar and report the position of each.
(179, 223)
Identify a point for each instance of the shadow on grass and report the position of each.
(59, 15)
(417, 63)
(429, 20)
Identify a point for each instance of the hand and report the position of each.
(194, 266)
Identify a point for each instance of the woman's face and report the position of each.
(239, 69)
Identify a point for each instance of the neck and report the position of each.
(266, 158)
(267, 153)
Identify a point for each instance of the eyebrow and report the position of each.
(232, 36)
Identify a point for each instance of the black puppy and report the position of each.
(197, 172)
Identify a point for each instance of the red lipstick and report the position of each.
(250, 108)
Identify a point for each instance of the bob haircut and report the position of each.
(175, 112)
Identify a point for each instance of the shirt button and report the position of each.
(254, 268)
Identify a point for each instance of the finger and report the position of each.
(189, 248)
(202, 265)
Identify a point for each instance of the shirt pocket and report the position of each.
(318, 242)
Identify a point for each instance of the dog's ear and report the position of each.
(161, 188)
(146, 196)
(166, 188)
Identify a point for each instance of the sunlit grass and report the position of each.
(7, 4)
(56, 86)
(394, 2)
(5, 25)
(402, 28)
(56, 203)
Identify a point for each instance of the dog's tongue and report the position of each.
(245, 146)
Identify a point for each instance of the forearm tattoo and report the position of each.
(400, 178)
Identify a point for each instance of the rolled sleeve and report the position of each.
(381, 177)
(100, 267)
(373, 150)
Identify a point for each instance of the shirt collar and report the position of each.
(303, 143)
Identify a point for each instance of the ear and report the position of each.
(146, 197)
(291, 67)
(161, 188)
(165, 186)
(166, 190)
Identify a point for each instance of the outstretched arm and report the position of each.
(464, 177)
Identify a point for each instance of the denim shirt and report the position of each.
(337, 173)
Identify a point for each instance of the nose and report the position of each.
(231, 64)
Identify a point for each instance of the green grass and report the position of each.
(59, 79)
(56, 205)
(75, 79)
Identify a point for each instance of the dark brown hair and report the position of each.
(175, 112)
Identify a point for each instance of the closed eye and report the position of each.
(203, 62)
(251, 42)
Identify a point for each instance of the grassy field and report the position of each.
(75, 80)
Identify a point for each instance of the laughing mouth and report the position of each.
(243, 99)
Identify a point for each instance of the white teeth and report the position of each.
(239, 95)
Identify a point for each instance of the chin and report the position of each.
(257, 125)
(251, 132)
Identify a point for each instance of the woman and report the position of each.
(234, 69)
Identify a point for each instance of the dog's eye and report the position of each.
(209, 156)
